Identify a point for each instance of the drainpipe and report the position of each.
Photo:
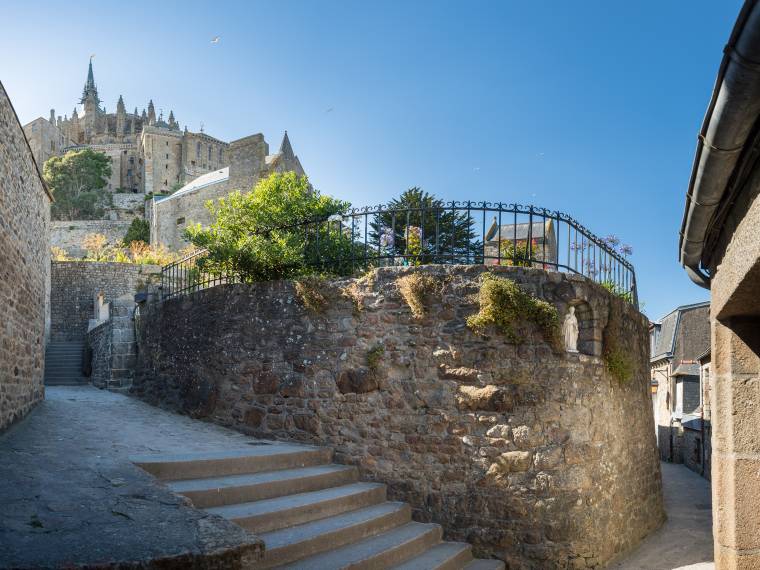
(731, 115)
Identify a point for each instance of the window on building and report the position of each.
(209, 153)
(166, 182)
(198, 150)
(166, 167)
(167, 143)
(192, 162)
(167, 156)
(220, 155)
(180, 221)
(52, 145)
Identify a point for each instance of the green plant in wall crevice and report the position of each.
(504, 305)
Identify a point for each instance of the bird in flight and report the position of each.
(476, 169)
(215, 39)
(329, 110)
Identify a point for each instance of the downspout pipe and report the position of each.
(734, 108)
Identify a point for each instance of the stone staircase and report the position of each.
(63, 364)
(309, 512)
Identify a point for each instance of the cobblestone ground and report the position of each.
(685, 540)
(70, 496)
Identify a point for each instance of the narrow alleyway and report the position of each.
(685, 540)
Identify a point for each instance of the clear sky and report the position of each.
(591, 107)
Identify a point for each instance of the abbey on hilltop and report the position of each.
(153, 156)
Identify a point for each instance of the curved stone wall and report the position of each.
(537, 456)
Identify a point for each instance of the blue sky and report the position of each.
(591, 107)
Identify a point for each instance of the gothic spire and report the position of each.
(285, 149)
(120, 106)
(90, 90)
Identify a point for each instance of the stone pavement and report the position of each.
(685, 541)
(70, 496)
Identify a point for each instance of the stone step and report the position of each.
(379, 551)
(254, 459)
(482, 564)
(218, 491)
(66, 382)
(282, 512)
(302, 542)
(442, 556)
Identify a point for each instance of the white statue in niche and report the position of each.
(570, 331)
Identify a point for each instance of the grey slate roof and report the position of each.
(508, 231)
(684, 369)
(683, 334)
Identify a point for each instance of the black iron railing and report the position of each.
(441, 233)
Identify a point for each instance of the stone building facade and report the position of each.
(24, 269)
(532, 454)
(153, 156)
(720, 250)
(249, 161)
(677, 342)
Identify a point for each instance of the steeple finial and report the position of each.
(285, 149)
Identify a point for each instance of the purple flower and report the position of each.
(387, 239)
(626, 250)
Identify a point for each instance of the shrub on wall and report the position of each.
(504, 305)
(414, 289)
(78, 181)
(139, 230)
(241, 239)
(616, 357)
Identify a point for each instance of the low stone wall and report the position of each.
(75, 284)
(70, 236)
(24, 270)
(113, 347)
(537, 456)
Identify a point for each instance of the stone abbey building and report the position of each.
(150, 156)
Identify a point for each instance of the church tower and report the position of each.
(91, 102)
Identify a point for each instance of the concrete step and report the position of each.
(481, 564)
(254, 459)
(290, 510)
(379, 551)
(442, 556)
(306, 540)
(218, 491)
(67, 382)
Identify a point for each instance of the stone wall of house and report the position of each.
(24, 270)
(98, 341)
(70, 235)
(537, 456)
(75, 285)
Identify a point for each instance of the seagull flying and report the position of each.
(215, 39)
(329, 110)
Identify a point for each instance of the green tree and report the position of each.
(78, 182)
(417, 227)
(257, 236)
(139, 230)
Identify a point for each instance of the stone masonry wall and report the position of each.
(70, 236)
(114, 348)
(534, 455)
(24, 270)
(75, 284)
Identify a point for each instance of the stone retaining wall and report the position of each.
(113, 347)
(537, 456)
(70, 236)
(24, 270)
(75, 284)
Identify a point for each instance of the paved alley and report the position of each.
(685, 540)
(70, 496)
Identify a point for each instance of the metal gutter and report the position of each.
(731, 115)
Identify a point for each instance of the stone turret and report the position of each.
(121, 117)
(151, 113)
(52, 117)
(172, 122)
(286, 151)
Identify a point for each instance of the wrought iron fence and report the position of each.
(441, 233)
